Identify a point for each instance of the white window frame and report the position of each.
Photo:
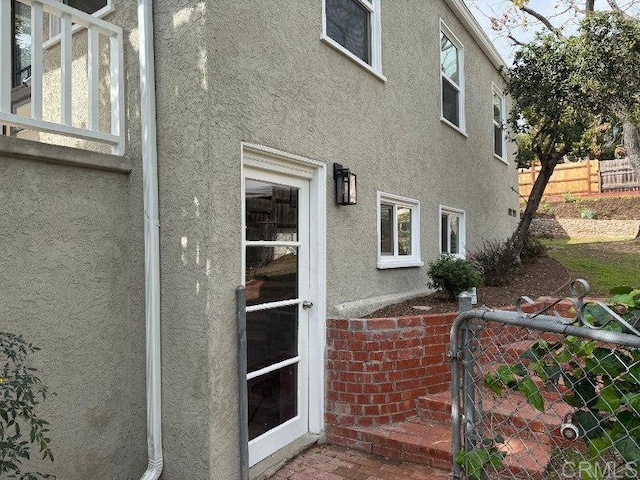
(395, 260)
(375, 42)
(462, 234)
(446, 31)
(495, 91)
(55, 25)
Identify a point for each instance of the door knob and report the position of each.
(307, 304)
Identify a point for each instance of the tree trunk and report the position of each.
(519, 236)
(632, 145)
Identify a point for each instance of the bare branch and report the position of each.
(542, 19)
(515, 40)
(616, 8)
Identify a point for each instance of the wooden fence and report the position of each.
(586, 177)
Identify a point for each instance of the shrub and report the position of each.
(495, 261)
(588, 213)
(569, 197)
(548, 209)
(532, 248)
(20, 394)
(453, 275)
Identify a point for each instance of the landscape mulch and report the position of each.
(624, 207)
(543, 276)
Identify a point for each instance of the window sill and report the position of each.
(336, 46)
(454, 126)
(498, 157)
(384, 264)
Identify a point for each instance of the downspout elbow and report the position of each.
(154, 469)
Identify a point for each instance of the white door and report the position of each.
(276, 277)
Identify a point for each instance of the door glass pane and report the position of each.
(348, 24)
(272, 336)
(449, 59)
(454, 235)
(444, 233)
(272, 274)
(404, 231)
(271, 211)
(386, 229)
(450, 109)
(272, 399)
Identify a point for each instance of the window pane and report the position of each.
(22, 44)
(271, 211)
(444, 234)
(454, 236)
(272, 274)
(386, 229)
(497, 109)
(272, 336)
(272, 399)
(348, 24)
(450, 108)
(404, 231)
(449, 59)
(497, 140)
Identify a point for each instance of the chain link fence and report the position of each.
(538, 396)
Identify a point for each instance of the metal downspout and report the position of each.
(151, 239)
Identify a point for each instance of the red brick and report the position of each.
(381, 323)
(357, 324)
(409, 322)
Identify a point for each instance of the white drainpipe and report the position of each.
(151, 238)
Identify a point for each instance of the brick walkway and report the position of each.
(329, 462)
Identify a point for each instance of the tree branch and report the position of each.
(616, 8)
(515, 40)
(542, 19)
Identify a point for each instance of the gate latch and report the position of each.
(307, 304)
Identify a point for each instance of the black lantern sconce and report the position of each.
(346, 193)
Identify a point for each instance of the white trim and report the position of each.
(54, 25)
(269, 159)
(273, 367)
(496, 91)
(462, 234)
(462, 12)
(460, 85)
(375, 42)
(396, 260)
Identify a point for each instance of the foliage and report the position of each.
(569, 197)
(601, 382)
(476, 459)
(21, 391)
(453, 275)
(548, 209)
(494, 259)
(588, 213)
(532, 248)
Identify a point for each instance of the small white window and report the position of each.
(499, 125)
(452, 78)
(452, 232)
(398, 232)
(353, 28)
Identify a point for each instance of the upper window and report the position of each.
(452, 232)
(499, 124)
(452, 78)
(353, 27)
(398, 232)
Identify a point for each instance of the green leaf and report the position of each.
(607, 362)
(609, 399)
(589, 423)
(622, 290)
(532, 393)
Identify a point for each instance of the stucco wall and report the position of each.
(258, 72)
(65, 242)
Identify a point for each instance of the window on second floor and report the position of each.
(353, 27)
(452, 78)
(499, 125)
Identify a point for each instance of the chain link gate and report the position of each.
(539, 396)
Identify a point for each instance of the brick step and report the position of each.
(430, 443)
(511, 415)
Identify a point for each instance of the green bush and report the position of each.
(20, 394)
(588, 213)
(453, 275)
(532, 248)
(569, 197)
(495, 261)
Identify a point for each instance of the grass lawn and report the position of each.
(603, 264)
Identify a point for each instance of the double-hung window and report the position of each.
(452, 78)
(499, 124)
(398, 232)
(353, 27)
(452, 232)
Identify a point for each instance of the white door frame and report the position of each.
(272, 160)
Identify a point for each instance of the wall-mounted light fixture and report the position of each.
(346, 193)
